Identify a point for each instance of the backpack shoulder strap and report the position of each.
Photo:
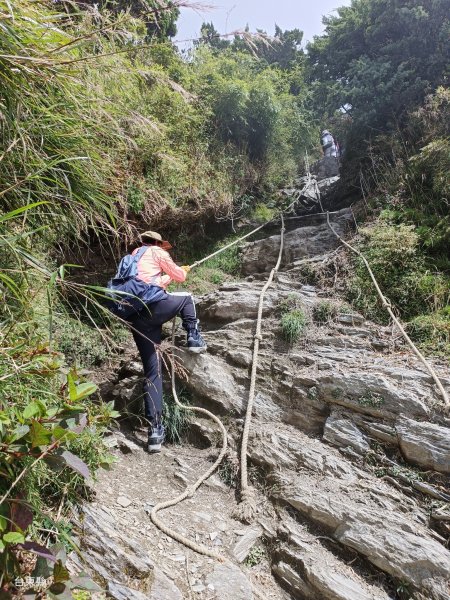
(140, 253)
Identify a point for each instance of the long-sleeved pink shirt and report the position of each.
(153, 263)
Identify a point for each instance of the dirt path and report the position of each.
(139, 480)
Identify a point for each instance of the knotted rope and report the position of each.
(246, 510)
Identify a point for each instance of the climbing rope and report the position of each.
(190, 490)
(199, 262)
(387, 305)
(247, 507)
(247, 493)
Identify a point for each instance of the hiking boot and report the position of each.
(156, 437)
(195, 342)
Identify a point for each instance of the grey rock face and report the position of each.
(260, 256)
(306, 567)
(127, 395)
(230, 583)
(340, 431)
(122, 592)
(110, 555)
(424, 444)
(211, 378)
(373, 393)
(357, 509)
(116, 561)
(163, 588)
(350, 318)
(229, 305)
(324, 583)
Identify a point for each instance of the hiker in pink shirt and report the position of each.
(157, 261)
(156, 267)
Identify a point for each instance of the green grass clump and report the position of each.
(175, 419)
(324, 311)
(293, 318)
(256, 555)
(293, 324)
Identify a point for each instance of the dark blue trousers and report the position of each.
(146, 328)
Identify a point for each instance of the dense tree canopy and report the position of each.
(381, 57)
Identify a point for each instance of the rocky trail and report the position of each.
(349, 451)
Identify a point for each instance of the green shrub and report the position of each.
(45, 409)
(263, 213)
(432, 332)
(135, 198)
(394, 255)
(324, 311)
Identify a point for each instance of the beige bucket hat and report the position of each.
(153, 235)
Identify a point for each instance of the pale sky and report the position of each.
(229, 15)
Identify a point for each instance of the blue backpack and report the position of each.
(128, 294)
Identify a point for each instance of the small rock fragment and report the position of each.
(242, 548)
(425, 444)
(123, 501)
(342, 432)
(230, 583)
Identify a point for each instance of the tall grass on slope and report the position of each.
(56, 141)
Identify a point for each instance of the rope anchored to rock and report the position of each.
(247, 508)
